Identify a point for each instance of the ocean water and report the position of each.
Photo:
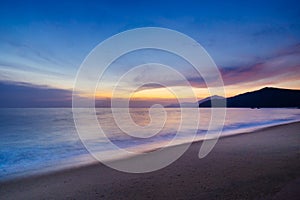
(35, 140)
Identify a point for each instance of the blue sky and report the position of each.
(254, 44)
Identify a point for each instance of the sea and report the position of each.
(39, 140)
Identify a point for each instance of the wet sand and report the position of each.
(264, 164)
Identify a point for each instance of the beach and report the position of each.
(263, 164)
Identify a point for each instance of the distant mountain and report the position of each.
(264, 98)
(193, 104)
(209, 98)
(183, 105)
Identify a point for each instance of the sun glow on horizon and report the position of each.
(154, 94)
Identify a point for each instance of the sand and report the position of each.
(264, 164)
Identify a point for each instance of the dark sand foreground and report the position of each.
(261, 165)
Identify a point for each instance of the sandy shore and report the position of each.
(264, 164)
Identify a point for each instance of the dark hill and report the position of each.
(263, 98)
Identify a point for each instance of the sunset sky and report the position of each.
(42, 44)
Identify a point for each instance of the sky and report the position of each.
(43, 43)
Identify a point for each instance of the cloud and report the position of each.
(285, 63)
(32, 52)
(150, 86)
(26, 95)
(19, 94)
(10, 66)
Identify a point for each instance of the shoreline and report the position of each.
(92, 161)
(95, 180)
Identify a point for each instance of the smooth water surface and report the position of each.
(45, 139)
